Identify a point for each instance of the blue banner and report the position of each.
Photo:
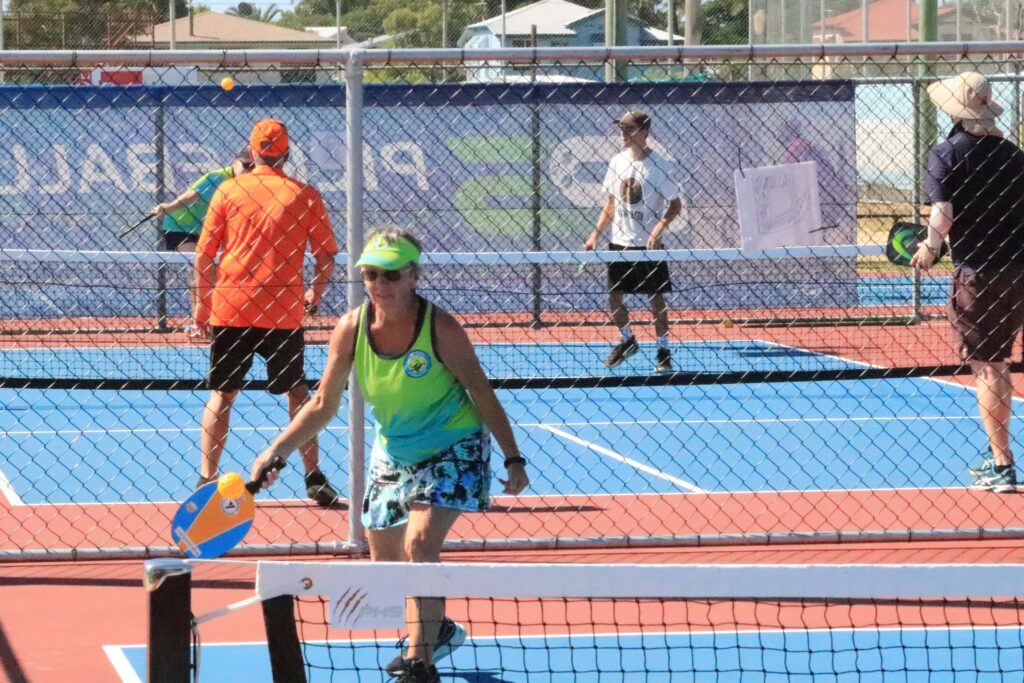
(454, 163)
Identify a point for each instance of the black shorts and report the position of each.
(232, 350)
(638, 277)
(170, 241)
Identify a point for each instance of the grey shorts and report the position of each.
(459, 477)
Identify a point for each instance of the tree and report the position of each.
(724, 22)
(250, 11)
(82, 24)
(319, 7)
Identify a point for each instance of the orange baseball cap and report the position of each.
(269, 138)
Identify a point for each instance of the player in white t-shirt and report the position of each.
(642, 198)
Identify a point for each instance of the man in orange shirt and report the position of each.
(261, 223)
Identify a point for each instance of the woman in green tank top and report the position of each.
(434, 411)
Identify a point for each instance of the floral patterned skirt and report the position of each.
(458, 477)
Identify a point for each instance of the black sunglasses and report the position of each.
(389, 275)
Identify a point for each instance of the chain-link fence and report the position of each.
(813, 392)
(138, 24)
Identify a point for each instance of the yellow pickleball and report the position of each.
(227, 83)
(231, 485)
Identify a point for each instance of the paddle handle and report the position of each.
(253, 487)
(147, 217)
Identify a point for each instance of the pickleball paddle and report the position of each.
(208, 524)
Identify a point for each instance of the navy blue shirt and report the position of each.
(983, 177)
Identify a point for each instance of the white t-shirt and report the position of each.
(642, 189)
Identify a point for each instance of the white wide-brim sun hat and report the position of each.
(965, 96)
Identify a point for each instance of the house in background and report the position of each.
(888, 23)
(559, 24)
(331, 33)
(217, 31)
(555, 23)
(347, 43)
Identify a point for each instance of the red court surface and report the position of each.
(56, 617)
(685, 516)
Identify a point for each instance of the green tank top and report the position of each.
(418, 406)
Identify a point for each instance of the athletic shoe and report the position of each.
(450, 637)
(320, 490)
(417, 671)
(983, 465)
(997, 480)
(203, 481)
(621, 352)
(664, 363)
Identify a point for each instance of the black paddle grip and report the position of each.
(277, 463)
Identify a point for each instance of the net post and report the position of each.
(168, 582)
(286, 661)
(354, 293)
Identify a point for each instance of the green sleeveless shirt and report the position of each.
(418, 406)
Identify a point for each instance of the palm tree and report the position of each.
(247, 10)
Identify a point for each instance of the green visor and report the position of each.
(389, 255)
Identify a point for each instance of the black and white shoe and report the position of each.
(417, 671)
(450, 637)
(621, 352)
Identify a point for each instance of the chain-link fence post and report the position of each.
(354, 208)
(535, 190)
(160, 146)
(926, 128)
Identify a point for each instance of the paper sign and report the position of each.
(778, 206)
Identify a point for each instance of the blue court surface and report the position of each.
(863, 655)
(78, 446)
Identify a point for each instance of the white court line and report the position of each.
(642, 631)
(145, 430)
(576, 342)
(761, 492)
(269, 502)
(127, 673)
(862, 364)
(597, 423)
(753, 420)
(621, 458)
(8, 492)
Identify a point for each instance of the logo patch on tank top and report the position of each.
(417, 363)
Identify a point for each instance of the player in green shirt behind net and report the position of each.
(183, 216)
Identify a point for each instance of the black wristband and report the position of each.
(518, 460)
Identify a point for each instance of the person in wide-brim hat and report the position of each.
(975, 185)
(965, 96)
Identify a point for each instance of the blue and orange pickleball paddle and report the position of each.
(209, 524)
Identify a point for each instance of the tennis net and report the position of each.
(537, 622)
(96, 320)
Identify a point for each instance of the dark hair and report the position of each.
(275, 161)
